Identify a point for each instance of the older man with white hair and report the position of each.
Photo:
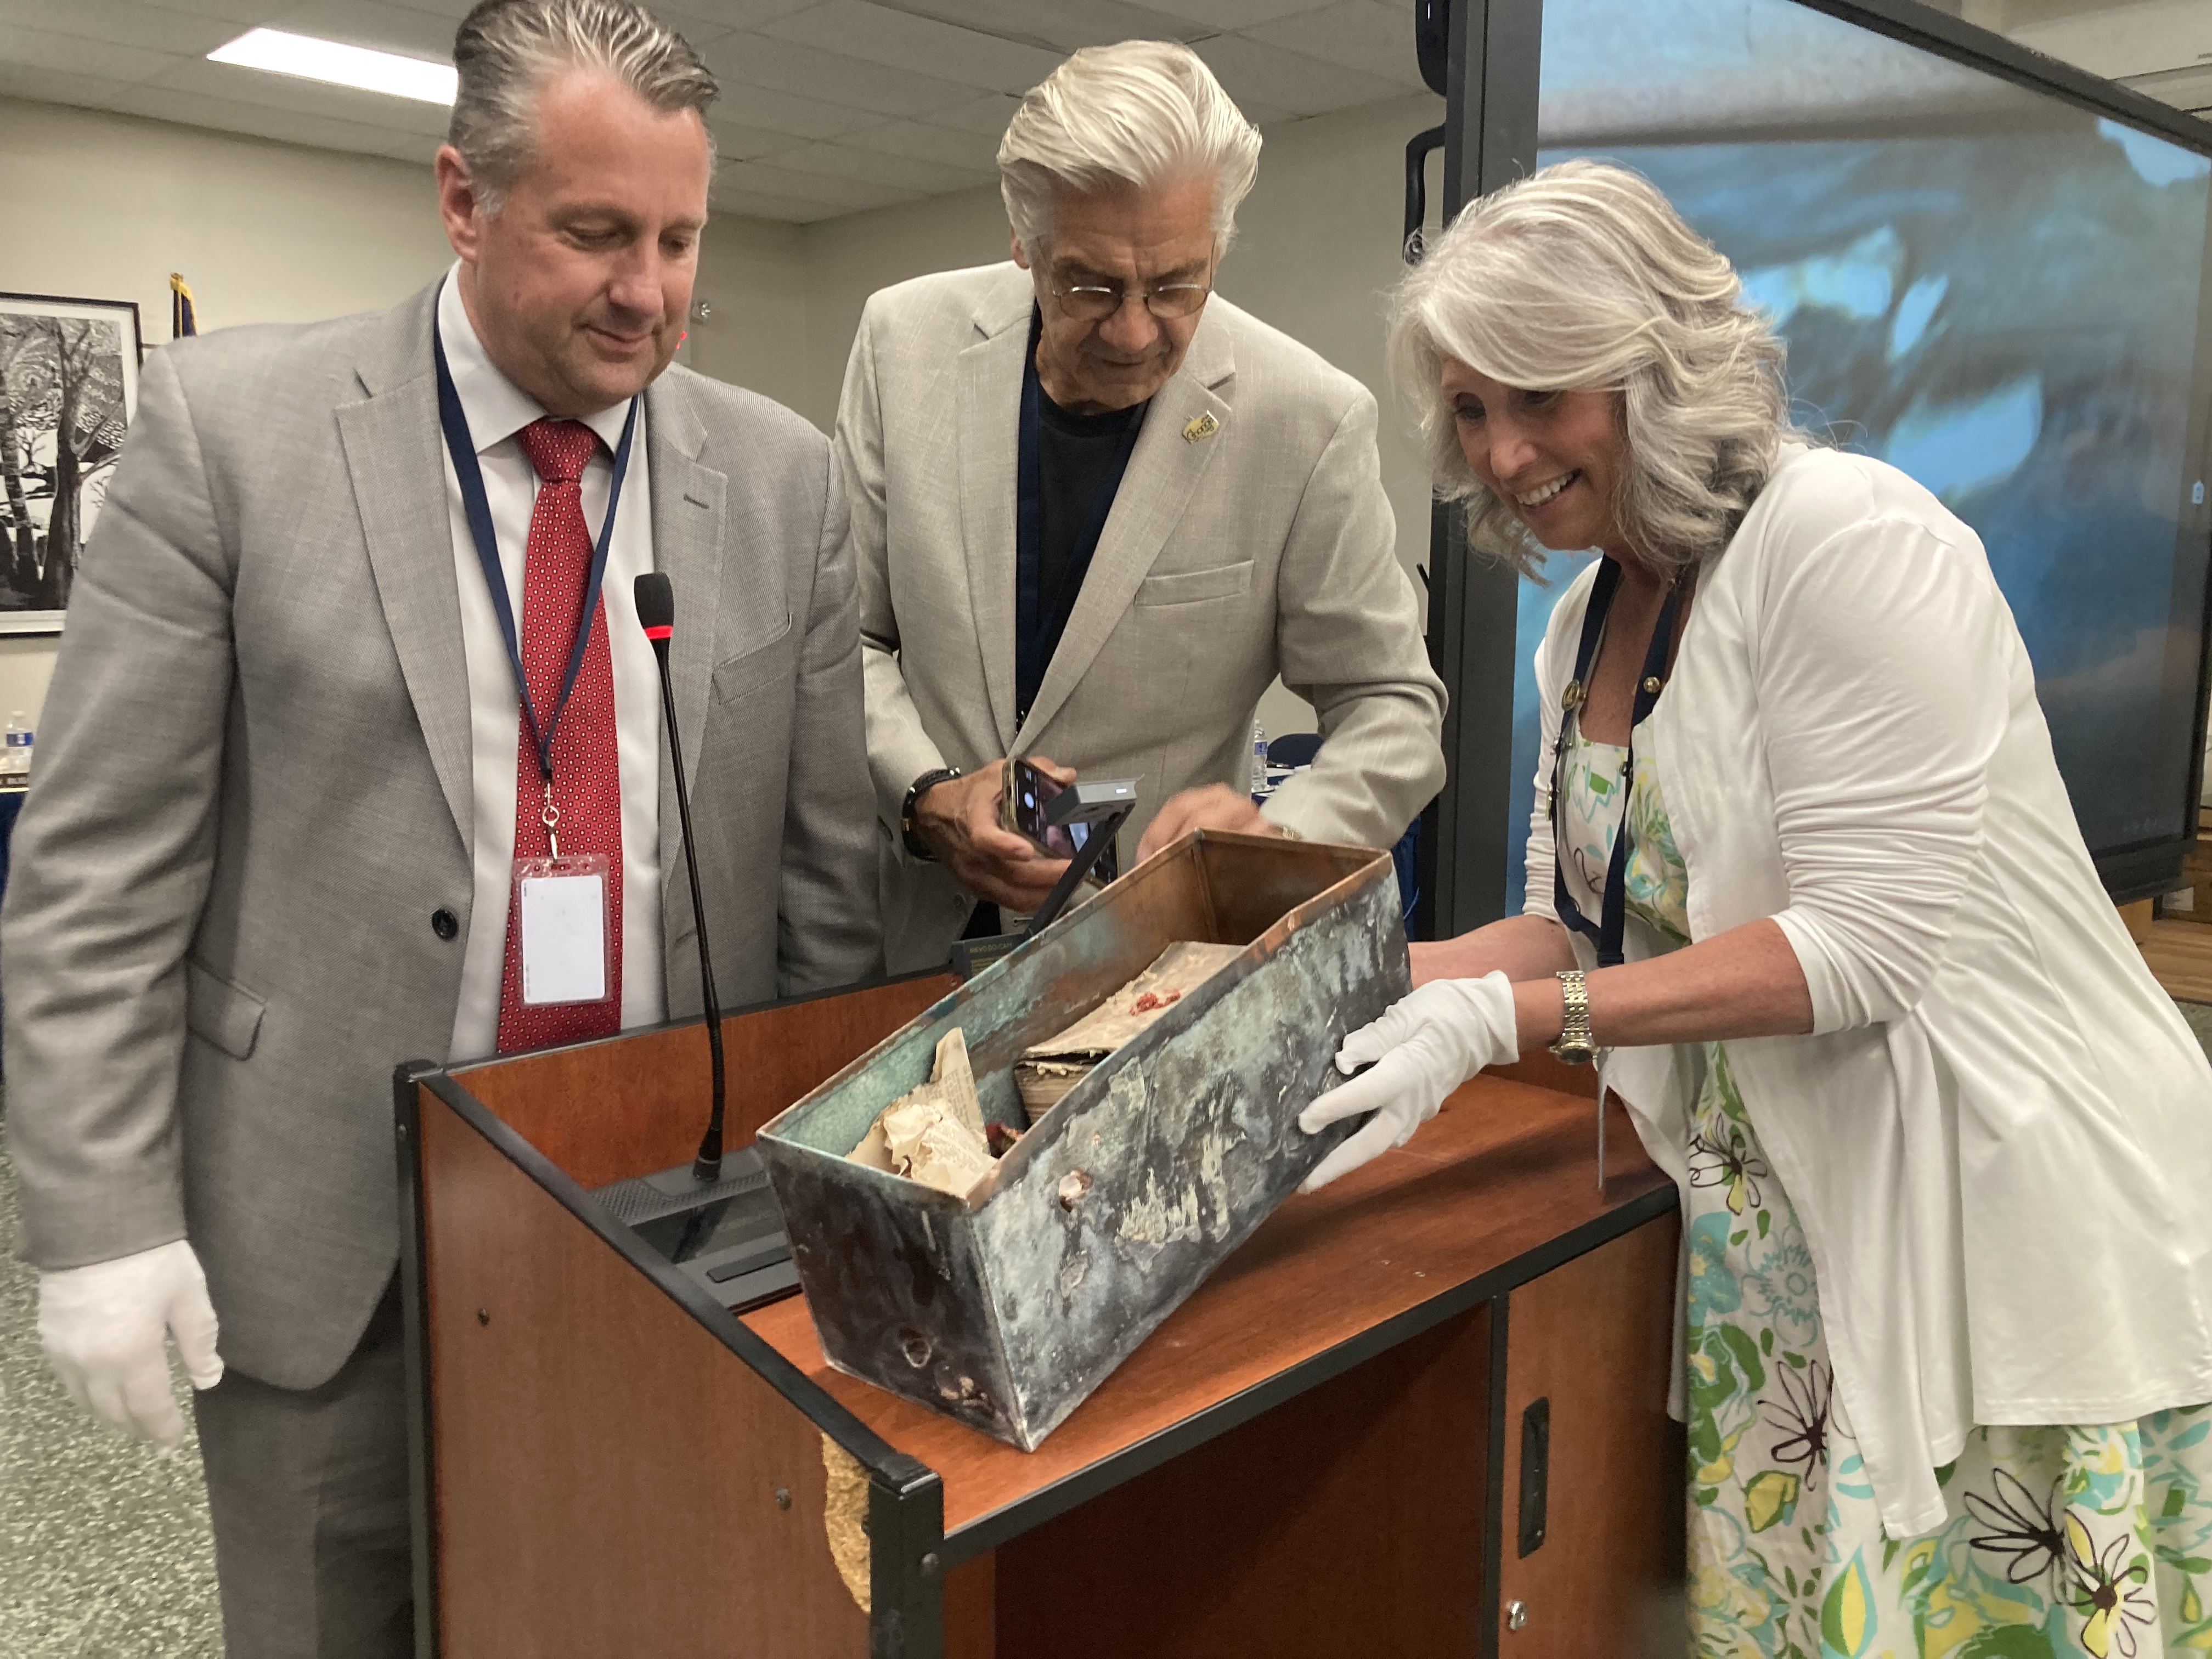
(1098, 509)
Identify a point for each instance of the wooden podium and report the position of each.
(1421, 1413)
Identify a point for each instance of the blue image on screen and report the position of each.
(1991, 288)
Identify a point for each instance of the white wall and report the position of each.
(102, 206)
(106, 206)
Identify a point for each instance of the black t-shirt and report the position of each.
(1075, 454)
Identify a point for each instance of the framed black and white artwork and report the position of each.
(68, 383)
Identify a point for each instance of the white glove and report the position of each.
(102, 1328)
(1423, 1049)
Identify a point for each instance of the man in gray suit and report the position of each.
(287, 794)
(1097, 510)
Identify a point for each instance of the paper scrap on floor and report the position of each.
(1049, 1069)
(934, 1134)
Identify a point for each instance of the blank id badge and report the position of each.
(563, 904)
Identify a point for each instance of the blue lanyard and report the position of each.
(1608, 933)
(1029, 528)
(477, 508)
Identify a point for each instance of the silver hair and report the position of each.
(1583, 275)
(507, 50)
(1133, 114)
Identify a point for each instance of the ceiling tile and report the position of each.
(1367, 35)
(784, 111)
(736, 142)
(720, 16)
(167, 103)
(985, 116)
(366, 23)
(258, 88)
(57, 87)
(898, 41)
(122, 22)
(43, 49)
(244, 13)
(2187, 88)
(452, 10)
(906, 172)
(761, 60)
(971, 150)
(786, 208)
(1236, 13)
(1264, 75)
(1057, 25)
(769, 179)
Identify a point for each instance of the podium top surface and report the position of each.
(1500, 1187)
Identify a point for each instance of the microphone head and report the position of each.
(656, 603)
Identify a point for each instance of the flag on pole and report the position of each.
(182, 322)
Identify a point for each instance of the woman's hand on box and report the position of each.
(1418, 1053)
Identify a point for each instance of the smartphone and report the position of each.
(1023, 812)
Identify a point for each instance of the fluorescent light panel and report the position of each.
(341, 65)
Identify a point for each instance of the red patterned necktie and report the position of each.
(587, 782)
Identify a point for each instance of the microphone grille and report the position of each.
(656, 600)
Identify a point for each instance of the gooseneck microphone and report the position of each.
(656, 614)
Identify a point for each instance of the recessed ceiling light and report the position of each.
(342, 65)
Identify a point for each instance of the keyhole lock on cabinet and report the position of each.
(1516, 1614)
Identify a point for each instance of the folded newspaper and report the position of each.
(1049, 1069)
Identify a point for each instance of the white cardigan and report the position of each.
(1999, 1136)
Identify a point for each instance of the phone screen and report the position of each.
(1028, 790)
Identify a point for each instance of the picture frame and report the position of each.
(68, 388)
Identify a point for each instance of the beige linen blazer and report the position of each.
(253, 792)
(1251, 536)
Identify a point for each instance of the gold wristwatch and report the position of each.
(1576, 1046)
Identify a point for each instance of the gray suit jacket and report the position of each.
(1261, 543)
(253, 791)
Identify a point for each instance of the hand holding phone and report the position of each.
(1030, 788)
(964, 822)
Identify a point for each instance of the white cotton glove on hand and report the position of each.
(102, 1326)
(1422, 1049)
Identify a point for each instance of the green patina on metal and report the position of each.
(1122, 1197)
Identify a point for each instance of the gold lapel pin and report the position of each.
(1200, 428)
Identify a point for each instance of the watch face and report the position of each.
(1575, 1051)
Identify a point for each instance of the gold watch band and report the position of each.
(1576, 1045)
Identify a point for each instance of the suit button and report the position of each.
(444, 923)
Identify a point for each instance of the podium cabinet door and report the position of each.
(1589, 1550)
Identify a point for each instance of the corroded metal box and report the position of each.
(1128, 1193)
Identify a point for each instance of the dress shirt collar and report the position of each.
(497, 408)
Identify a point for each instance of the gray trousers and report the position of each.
(308, 1491)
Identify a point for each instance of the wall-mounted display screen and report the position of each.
(1995, 288)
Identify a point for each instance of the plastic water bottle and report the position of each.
(1259, 759)
(15, 756)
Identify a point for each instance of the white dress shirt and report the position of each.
(497, 411)
(1998, 1135)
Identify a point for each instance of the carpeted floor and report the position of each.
(104, 1545)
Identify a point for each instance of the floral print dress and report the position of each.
(2059, 1541)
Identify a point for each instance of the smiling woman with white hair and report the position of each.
(1804, 880)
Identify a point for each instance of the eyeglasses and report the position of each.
(1094, 302)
